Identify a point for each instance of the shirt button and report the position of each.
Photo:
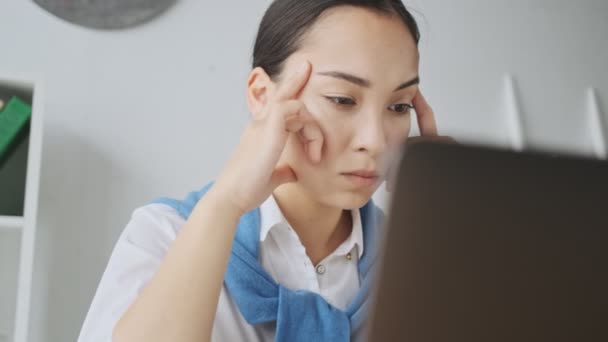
(321, 269)
(349, 256)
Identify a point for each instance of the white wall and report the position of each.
(555, 49)
(156, 110)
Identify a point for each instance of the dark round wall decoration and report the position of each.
(106, 14)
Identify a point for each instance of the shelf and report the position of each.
(13, 170)
(19, 185)
(10, 247)
(11, 223)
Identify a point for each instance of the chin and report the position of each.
(348, 199)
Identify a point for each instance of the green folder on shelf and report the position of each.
(14, 117)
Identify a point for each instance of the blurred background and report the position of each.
(156, 109)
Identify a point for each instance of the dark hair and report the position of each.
(286, 21)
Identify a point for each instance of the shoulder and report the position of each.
(152, 226)
(156, 213)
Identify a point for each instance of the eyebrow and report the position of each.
(363, 82)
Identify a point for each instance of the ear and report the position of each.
(259, 86)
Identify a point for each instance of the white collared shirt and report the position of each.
(143, 244)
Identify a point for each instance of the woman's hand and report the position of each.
(428, 132)
(252, 173)
(425, 116)
(426, 123)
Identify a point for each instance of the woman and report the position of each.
(280, 246)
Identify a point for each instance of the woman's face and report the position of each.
(364, 77)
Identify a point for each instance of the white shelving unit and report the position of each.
(19, 184)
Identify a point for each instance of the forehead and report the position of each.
(368, 43)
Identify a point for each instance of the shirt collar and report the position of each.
(355, 238)
(271, 217)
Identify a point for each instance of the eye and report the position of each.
(401, 108)
(341, 100)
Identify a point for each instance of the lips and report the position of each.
(363, 174)
(362, 178)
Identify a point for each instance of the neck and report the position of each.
(321, 228)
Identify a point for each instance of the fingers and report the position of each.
(313, 135)
(292, 116)
(299, 121)
(425, 115)
(294, 85)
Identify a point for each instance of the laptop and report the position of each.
(491, 245)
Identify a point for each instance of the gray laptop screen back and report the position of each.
(487, 245)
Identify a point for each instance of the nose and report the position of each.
(369, 135)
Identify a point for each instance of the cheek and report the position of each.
(398, 130)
